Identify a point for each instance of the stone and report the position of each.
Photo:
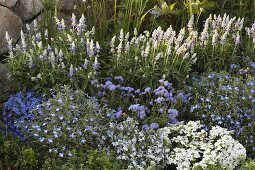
(66, 18)
(12, 24)
(68, 5)
(3, 57)
(8, 3)
(5, 84)
(28, 9)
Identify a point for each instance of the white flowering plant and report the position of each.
(218, 45)
(250, 35)
(185, 146)
(143, 59)
(68, 124)
(139, 148)
(40, 62)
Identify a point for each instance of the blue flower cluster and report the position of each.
(157, 106)
(140, 110)
(68, 121)
(18, 110)
(220, 99)
(246, 68)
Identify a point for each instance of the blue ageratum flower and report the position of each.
(17, 110)
(172, 115)
(140, 109)
(154, 125)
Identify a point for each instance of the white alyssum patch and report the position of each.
(185, 145)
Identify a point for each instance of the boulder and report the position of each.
(66, 18)
(28, 9)
(5, 84)
(12, 24)
(68, 5)
(8, 3)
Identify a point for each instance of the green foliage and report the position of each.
(238, 8)
(98, 14)
(164, 9)
(178, 12)
(74, 163)
(130, 15)
(50, 164)
(47, 17)
(11, 152)
(15, 154)
(28, 160)
(91, 160)
(248, 165)
(109, 16)
(100, 160)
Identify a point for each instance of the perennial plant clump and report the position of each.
(18, 110)
(68, 123)
(250, 44)
(41, 62)
(185, 145)
(143, 59)
(150, 106)
(218, 45)
(227, 101)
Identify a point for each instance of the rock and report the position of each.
(66, 18)
(40, 18)
(30, 24)
(3, 57)
(5, 84)
(11, 23)
(28, 9)
(8, 3)
(68, 5)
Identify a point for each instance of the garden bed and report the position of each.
(163, 98)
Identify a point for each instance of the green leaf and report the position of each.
(207, 4)
(165, 9)
(171, 6)
(84, 84)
